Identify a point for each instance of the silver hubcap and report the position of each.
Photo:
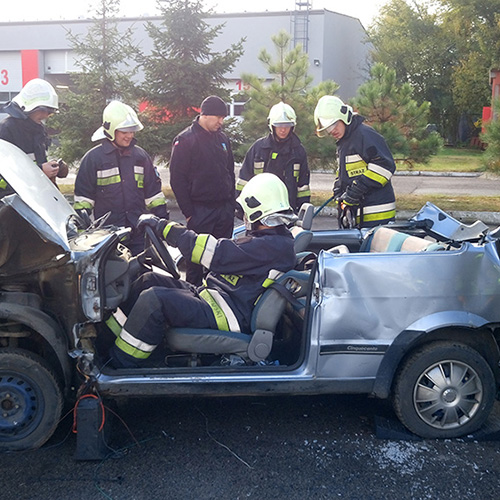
(448, 394)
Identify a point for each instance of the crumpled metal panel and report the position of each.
(368, 299)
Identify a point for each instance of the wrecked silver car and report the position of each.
(408, 312)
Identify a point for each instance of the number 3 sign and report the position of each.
(4, 79)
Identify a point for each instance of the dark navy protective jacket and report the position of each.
(364, 156)
(286, 159)
(240, 270)
(121, 181)
(27, 135)
(201, 169)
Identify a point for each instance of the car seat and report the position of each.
(302, 229)
(384, 239)
(265, 316)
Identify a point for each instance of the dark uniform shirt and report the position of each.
(201, 169)
(286, 159)
(121, 181)
(364, 156)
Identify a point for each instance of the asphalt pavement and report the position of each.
(294, 448)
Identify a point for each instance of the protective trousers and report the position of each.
(160, 302)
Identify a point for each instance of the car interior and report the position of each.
(277, 323)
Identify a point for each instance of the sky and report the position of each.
(30, 10)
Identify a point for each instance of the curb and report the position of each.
(490, 218)
(416, 173)
(469, 216)
(426, 173)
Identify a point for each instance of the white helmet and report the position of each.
(263, 196)
(37, 93)
(281, 115)
(329, 110)
(117, 116)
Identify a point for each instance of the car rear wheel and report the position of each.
(30, 400)
(444, 390)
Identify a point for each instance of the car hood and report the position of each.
(37, 199)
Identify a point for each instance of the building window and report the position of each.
(5, 96)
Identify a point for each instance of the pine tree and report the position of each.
(390, 109)
(102, 55)
(181, 70)
(290, 84)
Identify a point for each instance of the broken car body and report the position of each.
(408, 312)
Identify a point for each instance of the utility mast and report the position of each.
(300, 23)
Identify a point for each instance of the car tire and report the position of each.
(30, 400)
(444, 390)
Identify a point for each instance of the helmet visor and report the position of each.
(324, 128)
(283, 124)
(287, 218)
(133, 128)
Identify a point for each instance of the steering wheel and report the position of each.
(160, 254)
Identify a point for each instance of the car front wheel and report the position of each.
(30, 400)
(444, 390)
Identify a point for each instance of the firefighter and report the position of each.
(202, 176)
(118, 176)
(363, 187)
(280, 153)
(25, 126)
(239, 271)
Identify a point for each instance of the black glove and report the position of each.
(353, 195)
(337, 189)
(346, 216)
(155, 223)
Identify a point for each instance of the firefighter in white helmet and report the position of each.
(280, 153)
(25, 126)
(117, 176)
(239, 272)
(363, 187)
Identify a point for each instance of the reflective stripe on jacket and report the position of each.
(287, 160)
(123, 182)
(364, 156)
(239, 269)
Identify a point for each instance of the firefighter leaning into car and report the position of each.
(25, 126)
(202, 176)
(280, 153)
(240, 270)
(363, 187)
(118, 176)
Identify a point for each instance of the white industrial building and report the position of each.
(335, 43)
